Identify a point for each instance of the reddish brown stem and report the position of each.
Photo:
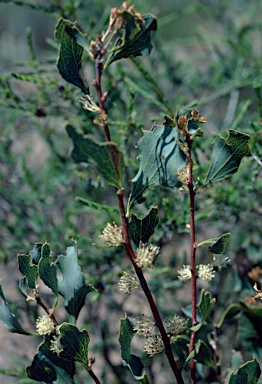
(192, 258)
(51, 315)
(144, 285)
(127, 242)
(94, 377)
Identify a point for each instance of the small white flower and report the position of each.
(154, 345)
(185, 273)
(112, 235)
(44, 326)
(205, 272)
(128, 282)
(56, 345)
(220, 261)
(146, 255)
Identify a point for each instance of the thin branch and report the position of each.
(192, 257)
(146, 289)
(94, 377)
(51, 315)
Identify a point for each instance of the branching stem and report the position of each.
(127, 241)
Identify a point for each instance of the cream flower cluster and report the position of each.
(112, 235)
(44, 326)
(205, 272)
(128, 282)
(146, 255)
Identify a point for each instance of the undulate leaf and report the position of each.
(161, 157)
(227, 155)
(136, 38)
(70, 53)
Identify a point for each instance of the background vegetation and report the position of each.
(206, 54)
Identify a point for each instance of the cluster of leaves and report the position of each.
(231, 75)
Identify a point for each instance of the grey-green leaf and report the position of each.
(70, 53)
(133, 362)
(227, 155)
(142, 229)
(49, 368)
(106, 156)
(135, 40)
(47, 270)
(74, 343)
(248, 373)
(8, 318)
(72, 283)
(205, 304)
(161, 157)
(218, 245)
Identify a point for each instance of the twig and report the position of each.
(192, 256)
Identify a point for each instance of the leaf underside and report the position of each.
(227, 155)
(161, 157)
(142, 229)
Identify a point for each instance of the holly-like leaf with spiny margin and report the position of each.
(133, 362)
(47, 270)
(70, 53)
(49, 368)
(74, 343)
(227, 155)
(28, 270)
(8, 318)
(161, 157)
(248, 373)
(135, 40)
(218, 245)
(72, 283)
(107, 157)
(142, 229)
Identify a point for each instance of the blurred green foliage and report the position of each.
(206, 54)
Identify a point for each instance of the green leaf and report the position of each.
(72, 283)
(202, 353)
(135, 40)
(8, 318)
(70, 53)
(104, 155)
(133, 362)
(248, 373)
(142, 229)
(232, 311)
(98, 207)
(218, 245)
(74, 343)
(47, 270)
(227, 155)
(35, 254)
(28, 271)
(161, 157)
(49, 368)
(205, 304)
(250, 330)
